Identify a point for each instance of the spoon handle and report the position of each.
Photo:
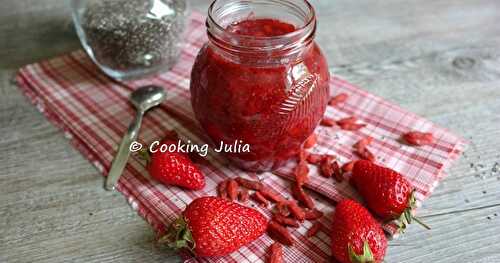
(123, 153)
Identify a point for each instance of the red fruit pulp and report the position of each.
(260, 28)
(273, 107)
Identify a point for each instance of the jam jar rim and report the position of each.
(286, 43)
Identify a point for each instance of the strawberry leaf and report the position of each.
(178, 236)
(366, 257)
(407, 216)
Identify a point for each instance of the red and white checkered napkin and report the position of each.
(94, 113)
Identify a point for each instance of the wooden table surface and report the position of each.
(440, 59)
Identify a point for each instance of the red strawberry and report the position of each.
(213, 226)
(386, 192)
(356, 236)
(175, 168)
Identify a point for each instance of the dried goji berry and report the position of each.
(351, 126)
(313, 230)
(296, 211)
(271, 195)
(342, 97)
(249, 184)
(222, 189)
(232, 189)
(276, 253)
(328, 122)
(259, 198)
(347, 167)
(279, 233)
(313, 158)
(303, 155)
(243, 195)
(327, 166)
(361, 144)
(416, 138)
(286, 221)
(337, 172)
(366, 155)
(313, 214)
(310, 142)
(300, 195)
(282, 209)
(348, 120)
(302, 173)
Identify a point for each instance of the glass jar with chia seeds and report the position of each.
(130, 39)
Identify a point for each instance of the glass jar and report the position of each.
(131, 39)
(260, 79)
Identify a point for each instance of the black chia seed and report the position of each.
(134, 34)
(496, 168)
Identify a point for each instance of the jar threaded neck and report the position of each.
(299, 13)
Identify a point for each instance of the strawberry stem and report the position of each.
(407, 217)
(144, 154)
(178, 236)
(366, 257)
(421, 223)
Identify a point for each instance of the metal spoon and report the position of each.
(144, 98)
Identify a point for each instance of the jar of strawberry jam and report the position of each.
(260, 80)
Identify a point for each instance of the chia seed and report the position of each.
(134, 34)
(496, 168)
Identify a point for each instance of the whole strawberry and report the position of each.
(213, 226)
(175, 168)
(386, 192)
(356, 236)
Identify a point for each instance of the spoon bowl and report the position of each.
(147, 97)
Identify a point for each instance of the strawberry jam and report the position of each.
(263, 81)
